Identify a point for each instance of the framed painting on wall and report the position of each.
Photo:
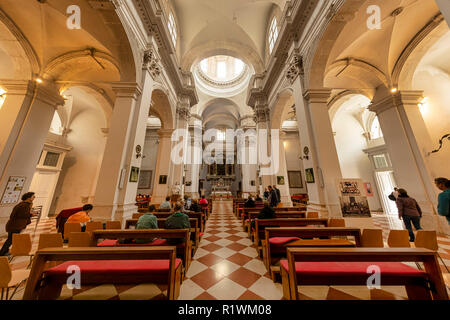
(145, 179)
(280, 180)
(163, 179)
(309, 175)
(134, 174)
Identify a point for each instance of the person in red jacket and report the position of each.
(19, 219)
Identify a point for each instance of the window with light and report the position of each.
(273, 34)
(375, 130)
(172, 29)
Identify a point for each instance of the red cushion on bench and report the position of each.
(278, 241)
(201, 234)
(353, 268)
(115, 243)
(114, 267)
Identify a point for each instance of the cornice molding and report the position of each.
(49, 94)
(18, 87)
(317, 95)
(127, 90)
(407, 98)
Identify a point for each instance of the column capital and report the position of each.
(393, 100)
(262, 113)
(151, 63)
(317, 95)
(127, 90)
(48, 93)
(295, 67)
(165, 133)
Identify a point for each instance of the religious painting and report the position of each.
(350, 187)
(13, 190)
(280, 180)
(162, 179)
(309, 175)
(134, 174)
(252, 183)
(354, 206)
(369, 189)
(145, 179)
(188, 183)
(295, 179)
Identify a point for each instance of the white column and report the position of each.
(444, 6)
(262, 120)
(161, 191)
(115, 195)
(408, 142)
(282, 172)
(25, 120)
(194, 162)
(317, 136)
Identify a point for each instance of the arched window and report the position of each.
(273, 34)
(172, 29)
(375, 129)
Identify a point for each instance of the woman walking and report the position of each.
(409, 211)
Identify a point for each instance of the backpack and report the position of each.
(391, 197)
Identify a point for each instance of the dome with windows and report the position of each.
(222, 74)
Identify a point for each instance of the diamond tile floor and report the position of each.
(225, 266)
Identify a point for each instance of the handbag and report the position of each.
(391, 197)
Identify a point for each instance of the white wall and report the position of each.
(150, 152)
(293, 163)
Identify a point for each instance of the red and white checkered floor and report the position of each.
(226, 267)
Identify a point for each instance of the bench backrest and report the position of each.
(428, 257)
(260, 224)
(94, 253)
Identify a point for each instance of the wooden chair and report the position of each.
(428, 240)
(21, 246)
(312, 215)
(50, 240)
(336, 223)
(113, 225)
(372, 238)
(398, 239)
(70, 227)
(11, 279)
(80, 239)
(93, 226)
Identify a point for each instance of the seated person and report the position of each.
(266, 213)
(250, 203)
(147, 221)
(81, 217)
(166, 204)
(203, 202)
(258, 198)
(195, 206)
(177, 220)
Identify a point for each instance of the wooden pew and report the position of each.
(318, 267)
(183, 250)
(53, 279)
(279, 215)
(191, 214)
(292, 237)
(261, 224)
(245, 213)
(195, 230)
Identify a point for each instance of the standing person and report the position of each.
(82, 217)
(203, 202)
(409, 211)
(443, 207)
(394, 194)
(272, 197)
(266, 194)
(18, 220)
(278, 194)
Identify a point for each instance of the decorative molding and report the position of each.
(401, 98)
(49, 94)
(151, 63)
(18, 87)
(295, 67)
(127, 90)
(165, 133)
(317, 95)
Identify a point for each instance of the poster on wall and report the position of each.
(13, 190)
(368, 188)
(353, 198)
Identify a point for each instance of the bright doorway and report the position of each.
(386, 184)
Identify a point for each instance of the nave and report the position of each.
(226, 266)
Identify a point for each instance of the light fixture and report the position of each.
(2, 96)
(394, 90)
(423, 105)
(39, 80)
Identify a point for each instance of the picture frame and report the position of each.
(252, 183)
(134, 174)
(188, 183)
(162, 179)
(309, 175)
(280, 180)
(145, 179)
(295, 179)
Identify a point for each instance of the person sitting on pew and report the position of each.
(250, 203)
(266, 213)
(187, 202)
(258, 198)
(177, 220)
(147, 221)
(166, 204)
(195, 206)
(81, 217)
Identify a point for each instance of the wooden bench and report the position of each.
(279, 215)
(277, 240)
(195, 230)
(348, 267)
(111, 237)
(245, 213)
(261, 224)
(104, 266)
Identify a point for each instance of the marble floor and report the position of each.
(225, 267)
